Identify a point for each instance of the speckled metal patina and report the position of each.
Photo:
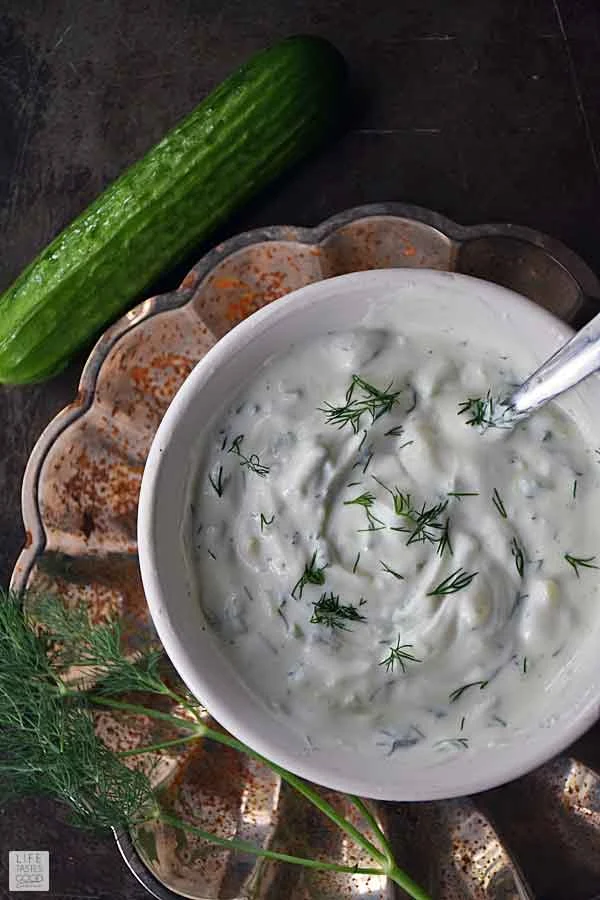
(80, 496)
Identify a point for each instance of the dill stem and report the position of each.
(399, 877)
(136, 709)
(198, 730)
(370, 819)
(160, 745)
(181, 701)
(247, 847)
(304, 789)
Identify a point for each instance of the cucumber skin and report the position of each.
(271, 112)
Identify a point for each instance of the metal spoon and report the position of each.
(574, 361)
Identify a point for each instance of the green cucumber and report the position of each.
(263, 118)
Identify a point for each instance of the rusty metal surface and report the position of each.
(79, 506)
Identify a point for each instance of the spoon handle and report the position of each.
(573, 362)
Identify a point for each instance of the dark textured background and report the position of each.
(485, 110)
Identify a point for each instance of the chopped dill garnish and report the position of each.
(355, 566)
(425, 524)
(517, 552)
(586, 562)
(460, 494)
(455, 695)
(217, 483)
(362, 398)
(363, 439)
(399, 654)
(524, 665)
(574, 489)
(367, 500)
(386, 568)
(444, 541)
(366, 465)
(405, 444)
(354, 483)
(264, 521)
(224, 444)
(312, 574)
(480, 410)
(498, 503)
(394, 432)
(210, 553)
(252, 462)
(329, 611)
(454, 582)
(402, 504)
(462, 723)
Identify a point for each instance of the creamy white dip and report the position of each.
(402, 632)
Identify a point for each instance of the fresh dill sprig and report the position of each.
(47, 740)
(367, 500)
(455, 695)
(517, 552)
(498, 503)
(387, 569)
(394, 432)
(217, 483)
(399, 654)
(362, 398)
(78, 644)
(453, 583)
(585, 562)
(480, 411)
(312, 574)
(266, 522)
(251, 462)
(330, 612)
(48, 745)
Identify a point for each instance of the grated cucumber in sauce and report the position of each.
(381, 572)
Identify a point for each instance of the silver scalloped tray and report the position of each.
(538, 837)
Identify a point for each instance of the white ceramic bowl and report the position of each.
(498, 319)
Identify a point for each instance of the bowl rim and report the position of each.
(472, 781)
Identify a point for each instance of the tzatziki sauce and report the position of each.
(382, 565)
